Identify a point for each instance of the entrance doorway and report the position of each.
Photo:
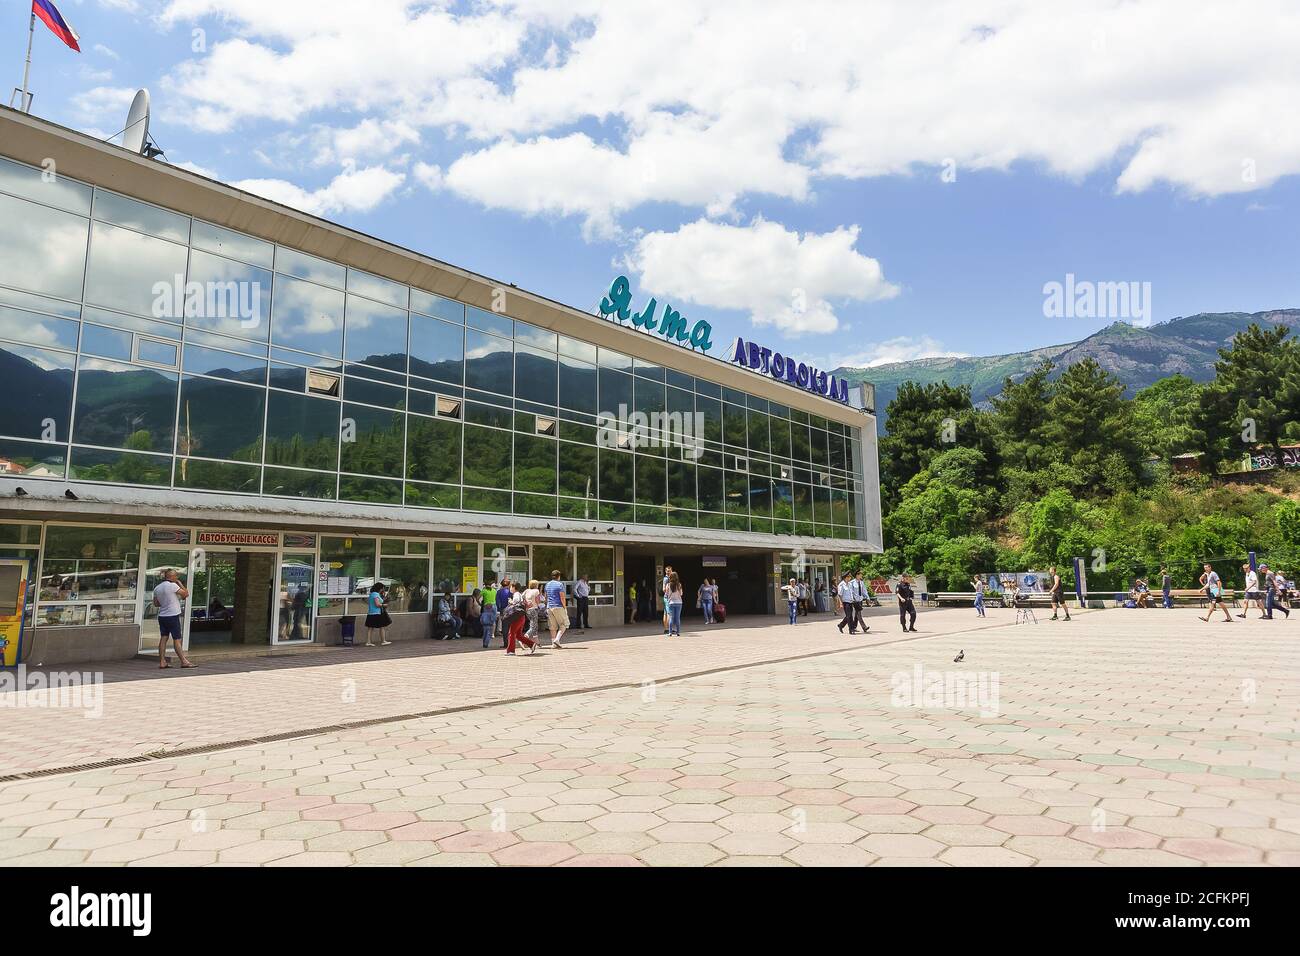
(232, 597)
(742, 584)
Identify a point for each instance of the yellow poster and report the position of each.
(13, 601)
(468, 579)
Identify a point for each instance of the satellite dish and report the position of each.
(136, 133)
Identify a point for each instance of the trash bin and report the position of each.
(348, 628)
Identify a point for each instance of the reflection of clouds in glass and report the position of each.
(308, 316)
(45, 361)
(125, 266)
(21, 326)
(489, 348)
(41, 249)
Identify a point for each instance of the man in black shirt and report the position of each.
(905, 606)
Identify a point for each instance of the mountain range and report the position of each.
(1188, 345)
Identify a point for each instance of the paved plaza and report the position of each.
(1121, 738)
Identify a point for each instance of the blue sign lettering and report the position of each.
(758, 358)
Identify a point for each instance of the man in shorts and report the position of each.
(167, 598)
(557, 616)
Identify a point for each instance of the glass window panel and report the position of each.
(615, 392)
(649, 370)
(577, 384)
(294, 263)
(800, 446)
(817, 437)
(36, 459)
(759, 439)
(293, 378)
(373, 442)
(489, 363)
(350, 566)
(482, 414)
(125, 406)
(437, 306)
(536, 337)
(106, 343)
(89, 563)
(31, 183)
(487, 457)
(408, 583)
(38, 393)
(432, 496)
(437, 350)
(681, 380)
(38, 329)
(157, 353)
(134, 323)
(535, 464)
(649, 397)
(197, 337)
(707, 388)
(595, 564)
(377, 287)
(220, 419)
(231, 297)
(780, 432)
(734, 431)
(135, 273)
(535, 376)
(577, 349)
(141, 217)
(681, 484)
(710, 410)
(760, 496)
(236, 245)
(615, 475)
(121, 467)
(552, 557)
(307, 317)
(373, 393)
(39, 303)
(489, 321)
(736, 497)
(375, 491)
(450, 559)
(376, 334)
(577, 470)
(608, 358)
(492, 502)
(710, 489)
(651, 480)
(530, 504)
(217, 476)
(433, 449)
(228, 365)
(42, 250)
(287, 483)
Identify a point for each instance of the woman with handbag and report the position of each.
(513, 620)
(377, 618)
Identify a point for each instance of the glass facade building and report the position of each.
(141, 347)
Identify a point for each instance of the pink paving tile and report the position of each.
(534, 854)
(879, 805)
(477, 841)
(297, 803)
(425, 830)
(755, 788)
(1213, 851)
(1116, 838)
(602, 859)
(337, 811)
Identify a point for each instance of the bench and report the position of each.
(1229, 597)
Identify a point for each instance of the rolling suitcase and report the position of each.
(720, 613)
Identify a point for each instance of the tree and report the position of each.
(925, 420)
(1019, 415)
(1088, 421)
(1167, 413)
(1255, 396)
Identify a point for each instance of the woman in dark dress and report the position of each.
(377, 619)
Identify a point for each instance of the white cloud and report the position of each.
(779, 277)
(903, 349)
(355, 190)
(106, 51)
(104, 105)
(429, 175)
(592, 109)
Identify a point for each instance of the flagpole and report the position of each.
(26, 103)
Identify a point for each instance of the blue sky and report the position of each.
(775, 178)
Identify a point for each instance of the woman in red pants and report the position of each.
(518, 617)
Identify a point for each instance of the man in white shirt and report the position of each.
(167, 597)
(1252, 592)
(582, 594)
(859, 599)
(845, 591)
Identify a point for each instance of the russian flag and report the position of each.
(61, 28)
